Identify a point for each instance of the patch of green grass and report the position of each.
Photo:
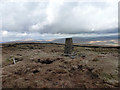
(8, 60)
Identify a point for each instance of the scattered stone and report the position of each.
(36, 53)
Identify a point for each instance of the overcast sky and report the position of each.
(51, 19)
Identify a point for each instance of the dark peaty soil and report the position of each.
(44, 66)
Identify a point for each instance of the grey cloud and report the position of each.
(69, 19)
(19, 16)
(55, 18)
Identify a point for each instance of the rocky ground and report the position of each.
(44, 66)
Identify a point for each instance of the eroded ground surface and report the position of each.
(44, 66)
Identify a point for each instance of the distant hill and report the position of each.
(104, 40)
(27, 41)
(91, 40)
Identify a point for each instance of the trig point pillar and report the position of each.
(68, 46)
